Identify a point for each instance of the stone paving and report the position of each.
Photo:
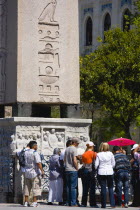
(44, 206)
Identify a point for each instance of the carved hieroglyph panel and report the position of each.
(3, 29)
(52, 138)
(48, 54)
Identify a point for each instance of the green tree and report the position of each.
(136, 16)
(111, 76)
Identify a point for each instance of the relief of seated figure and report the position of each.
(84, 140)
(46, 139)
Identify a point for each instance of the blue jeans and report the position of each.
(89, 183)
(106, 180)
(122, 180)
(72, 182)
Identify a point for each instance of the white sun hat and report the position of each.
(134, 146)
(90, 143)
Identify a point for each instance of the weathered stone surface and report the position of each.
(50, 133)
(42, 64)
(2, 49)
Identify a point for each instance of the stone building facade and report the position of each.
(97, 16)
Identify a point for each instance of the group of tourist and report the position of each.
(109, 169)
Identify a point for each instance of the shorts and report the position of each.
(34, 185)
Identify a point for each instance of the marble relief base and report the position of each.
(16, 133)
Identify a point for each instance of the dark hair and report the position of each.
(75, 140)
(32, 143)
(28, 145)
(68, 143)
(116, 148)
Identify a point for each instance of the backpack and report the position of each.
(22, 158)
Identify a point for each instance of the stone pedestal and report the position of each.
(15, 133)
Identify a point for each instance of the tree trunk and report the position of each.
(91, 127)
(127, 131)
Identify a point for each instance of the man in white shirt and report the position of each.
(33, 170)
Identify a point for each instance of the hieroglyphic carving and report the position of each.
(48, 54)
(47, 14)
(3, 30)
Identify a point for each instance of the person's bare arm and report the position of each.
(132, 161)
(64, 158)
(75, 162)
(40, 167)
(79, 158)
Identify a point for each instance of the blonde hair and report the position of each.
(104, 147)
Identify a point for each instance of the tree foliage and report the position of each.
(136, 16)
(111, 75)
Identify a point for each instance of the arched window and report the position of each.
(107, 22)
(89, 32)
(126, 21)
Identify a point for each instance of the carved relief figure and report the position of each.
(84, 140)
(53, 140)
(83, 137)
(20, 141)
(46, 140)
(61, 139)
(48, 12)
(46, 148)
(24, 135)
(13, 144)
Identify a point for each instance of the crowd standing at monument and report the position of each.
(104, 169)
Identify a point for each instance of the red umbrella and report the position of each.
(121, 142)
